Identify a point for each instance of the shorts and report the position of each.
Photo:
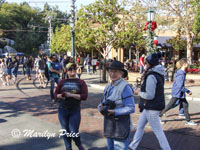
(9, 71)
(2, 74)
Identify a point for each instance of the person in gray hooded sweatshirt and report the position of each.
(152, 102)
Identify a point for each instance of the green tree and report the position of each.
(27, 26)
(178, 44)
(136, 16)
(196, 25)
(103, 16)
(183, 14)
(61, 39)
(1, 2)
(14, 23)
(57, 17)
(84, 35)
(2, 43)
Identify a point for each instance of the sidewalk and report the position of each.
(27, 107)
(94, 81)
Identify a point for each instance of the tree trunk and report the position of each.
(104, 66)
(189, 46)
(103, 78)
(137, 59)
(172, 69)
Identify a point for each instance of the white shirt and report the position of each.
(94, 62)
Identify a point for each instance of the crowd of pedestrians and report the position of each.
(9, 69)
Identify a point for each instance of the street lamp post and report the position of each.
(72, 24)
(150, 26)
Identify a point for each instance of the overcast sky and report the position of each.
(64, 5)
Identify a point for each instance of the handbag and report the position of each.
(117, 127)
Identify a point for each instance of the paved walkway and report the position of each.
(24, 106)
(94, 81)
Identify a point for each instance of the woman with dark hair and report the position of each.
(70, 92)
(151, 103)
(41, 71)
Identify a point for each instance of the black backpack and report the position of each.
(46, 72)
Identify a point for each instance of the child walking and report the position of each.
(179, 90)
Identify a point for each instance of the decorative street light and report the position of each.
(72, 24)
(150, 15)
(150, 26)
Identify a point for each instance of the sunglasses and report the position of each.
(70, 69)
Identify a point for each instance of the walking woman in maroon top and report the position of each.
(70, 92)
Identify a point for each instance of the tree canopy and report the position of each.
(27, 26)
(100, 26)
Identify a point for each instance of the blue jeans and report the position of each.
(70, 121)
(116, 144)
(9, 71)
(79, 76)
(28, 71)
(15, 71)
(141, 69)
(88, 69)
(52, 81)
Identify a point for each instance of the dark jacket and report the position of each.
(152, 90)
(178, 88)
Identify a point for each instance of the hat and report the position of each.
(118, 66)
(70, 65)
(153, 59)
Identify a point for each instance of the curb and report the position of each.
(188, 98)
(166, 96)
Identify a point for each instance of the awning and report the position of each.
(20, 54)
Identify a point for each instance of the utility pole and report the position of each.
(49, 32)
(72, 25)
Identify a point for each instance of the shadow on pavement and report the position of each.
(176, 138)
(97, 148)
(38, 105)
(92, 141)
(7, 111)
(38, 143)
(3, 120)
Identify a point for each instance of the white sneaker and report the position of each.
(181, 116)
(191, 123)
(129, 148)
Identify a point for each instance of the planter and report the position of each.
(193, 70)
